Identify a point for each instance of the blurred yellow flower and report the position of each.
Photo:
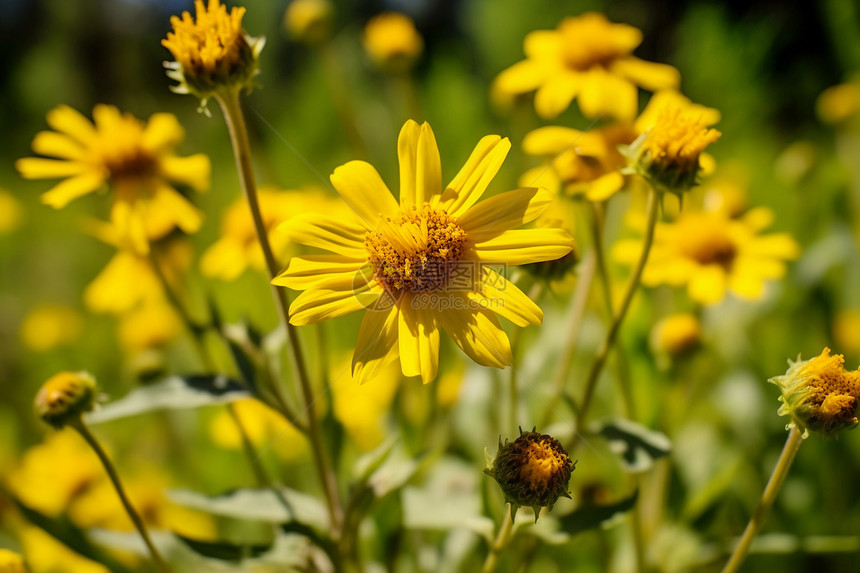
(64, 397)
(51, 474)
(363, 408)
(265, 428)
(711, 254)
(238, 248)
(839, 103)
(392, 42)
(846, 330)
(11, 562)
(212, 53)
(49, 326)
(586, 57)
(47, 555)
(676, 334)
(424, 264)
(152, 324)
(309, 21)
(11, 212)
(134, 158)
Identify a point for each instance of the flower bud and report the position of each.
(64, 397)
(11, 562)
(533, 470)
(819, 394)
(392, 42)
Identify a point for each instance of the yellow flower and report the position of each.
(676, 334)
(588, 58)
(839, 103)
(11, 213)
(65, 396)
(150, 325)
(309, 21)
(668, 153)
(711, 254)
(362, 409)
(846, 330)
(11, 562)
(422, 264)
(392, 42)
(819, 394)
(50, 326)
(214, 53)
(51, 474)
(47, 555)
(134, 158)
(265, 427)
(238, 247)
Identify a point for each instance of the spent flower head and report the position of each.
(819, 394)
(533, 471)
(212, 53)
(64, 397)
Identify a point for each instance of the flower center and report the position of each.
(676, 141)
(415, 251)
(706, 241)
(543, 463)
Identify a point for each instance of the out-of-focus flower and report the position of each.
(11, 562)
(50, 326)
(309, 21)
(668, 153)
(587, 58)
(422, 265)
(64, 397)
(11, 212)
(559, 215)
(51, 474)
(238, 248)
(150, 325)
(533, 471)
(362, 408)
(263, 426)
(676, 334)
(839, 103)
(135, 159)
(795, 162)
(846, 330)
(392, 42)
(212, 53)
(712, 254)
(726, 191)
(819, 394)
(47, 555)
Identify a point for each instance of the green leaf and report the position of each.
(172, 393)
(637, 446)
(594, 516)
(224, 551)
(393, 474)
(370, 462)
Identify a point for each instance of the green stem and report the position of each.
(235, 120)
(84, 431)
(612, 333)
(783, 464)
(501, 541)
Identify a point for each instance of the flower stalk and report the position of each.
(501, 541)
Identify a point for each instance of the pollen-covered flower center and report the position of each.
(543, 462)
(415, 251)
(677, 140)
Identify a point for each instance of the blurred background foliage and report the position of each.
(762, 64)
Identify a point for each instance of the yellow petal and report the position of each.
(522, 77)
(420, 166)
(333, 298)
(193, 170)
(478, 334)
(605, 186)
(708, 285)
(107, 118)
(39, 168)
(648, 75)
(377, 344)
(521, 247)
(71, 122)
(327, 232)
(55, 144)
(555, 95)
(167, 201)
(472, 180)
(162, 131)
(778, 245)
(550, 140)
(504, 211)
(72, 188)
(120, 285)
(418, 340)
(225, 259)
(605, 94)
(128, 219)
(543, 44)
(310, 270)
(361, 187)
(505, 299)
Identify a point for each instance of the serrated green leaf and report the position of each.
(594, 516)
(637, 446)
(172, 393)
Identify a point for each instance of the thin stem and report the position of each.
(232, 110)
(84, 431)
(612, 333)
(501, 541)
(783, 464)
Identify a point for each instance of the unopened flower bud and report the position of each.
(64, 397)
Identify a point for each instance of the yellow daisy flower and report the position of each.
(392, 42)
(135, 158)
(711, 254)
(422, 264)
(586, 57)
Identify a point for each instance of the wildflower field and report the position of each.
(427, 286)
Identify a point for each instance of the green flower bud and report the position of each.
(64, 397)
